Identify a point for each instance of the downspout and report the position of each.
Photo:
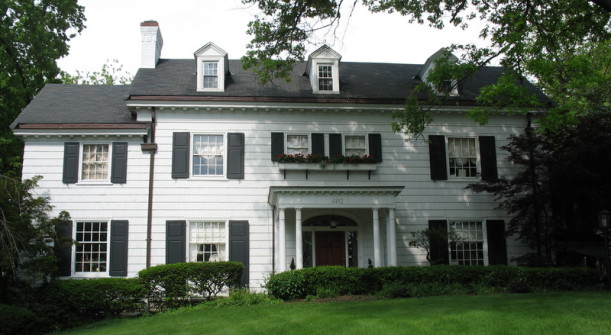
(151, 147)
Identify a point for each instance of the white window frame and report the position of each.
(90, 274)
(365, 136)
(204, 62)
(478, 167)
(191, 158)
(80, 166)
(286, 142)
(225, 222)
(331, 77)
(484, 238)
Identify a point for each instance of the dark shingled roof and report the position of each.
(78, 104)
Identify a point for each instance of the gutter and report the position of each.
(150, 147)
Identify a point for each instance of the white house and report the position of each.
(183, 165)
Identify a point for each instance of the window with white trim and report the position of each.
(325, 77)
(208, 155)
(207, 241)
(462, 157)
(211, 79)
(469, 249)
(95, 162)
(355, 145)
(91, 249)
(297, 144)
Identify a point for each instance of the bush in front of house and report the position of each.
(425, 280)
(17, 320)
(172, 285)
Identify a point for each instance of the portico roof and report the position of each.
(334, 197)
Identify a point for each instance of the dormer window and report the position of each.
(212, 68)
(446, 87)
(323, 70)
(211, 78)
(325, 77)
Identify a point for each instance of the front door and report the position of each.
(330, 248)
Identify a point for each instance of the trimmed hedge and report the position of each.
(341, 281)
(17, 320)
(172, 285)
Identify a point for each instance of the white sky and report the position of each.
(113, 32)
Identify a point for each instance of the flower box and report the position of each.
(327, 167)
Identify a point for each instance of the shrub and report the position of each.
(396, 290)
(17, 320)
(243, 297)
(172, 285)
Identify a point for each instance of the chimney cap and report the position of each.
(149, 23)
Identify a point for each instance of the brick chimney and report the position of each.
(152, 42)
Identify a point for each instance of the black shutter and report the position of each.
(239, 247)
(175, 242)
(118, 247)
(64, 249)
(71, 153)
(439, 245)
(118, 174)
(437, 155)
(497, 247)
(335, 145)
(277, 146)
(180, 155)
(235, 156)
(375, 146)
(487, 151)
(318, 144)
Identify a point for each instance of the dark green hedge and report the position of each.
(17, 320)
(172, 285)
(340, 280)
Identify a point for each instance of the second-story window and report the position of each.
(462, 157)
(325, 78)
(211, 79)
(95, 162)
(208, 155)
(297, 144)
(355, 145)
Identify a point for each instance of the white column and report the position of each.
(377, 251)
(298, 240)
(282, 240)
(391, 238)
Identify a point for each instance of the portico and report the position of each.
(353, 225)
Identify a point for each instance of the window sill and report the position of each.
(94, 183)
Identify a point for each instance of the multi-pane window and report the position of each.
(355, 145)
(297, 144)
(207, 241)
(325, 78)
(91, 246)
(469, 247)
(95, 162)
(462, 157)
(211, 75)
(208, 155)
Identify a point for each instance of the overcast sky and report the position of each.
(113, 32)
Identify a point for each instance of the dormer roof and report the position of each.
(430, 62)
(323, 70)
(213, 60)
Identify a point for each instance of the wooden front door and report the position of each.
(330, 248)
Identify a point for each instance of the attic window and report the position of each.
(325, 77)
(446, 87)
(211, 79)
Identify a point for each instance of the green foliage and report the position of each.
(17, 320)
(33, 35)
(423, 281)
(172, 285)
(112, 73)
(243, 297)
(425, 239)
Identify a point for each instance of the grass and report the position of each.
(541, 313)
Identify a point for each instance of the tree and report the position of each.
(564, 46)
(33, 35)
(27, 234)
(429, 238)
(111, 73)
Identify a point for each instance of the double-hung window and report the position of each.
(208, 155)
(91, 250)
(210, 74)
(355, 145)
(297, 144)
(462, 157)
(95, 162)
(207, 241)
(469, 247)
(325, 77)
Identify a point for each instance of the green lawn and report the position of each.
(542, 313)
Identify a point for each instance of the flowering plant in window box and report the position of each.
(325, 160)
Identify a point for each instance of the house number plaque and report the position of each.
(337, 201)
